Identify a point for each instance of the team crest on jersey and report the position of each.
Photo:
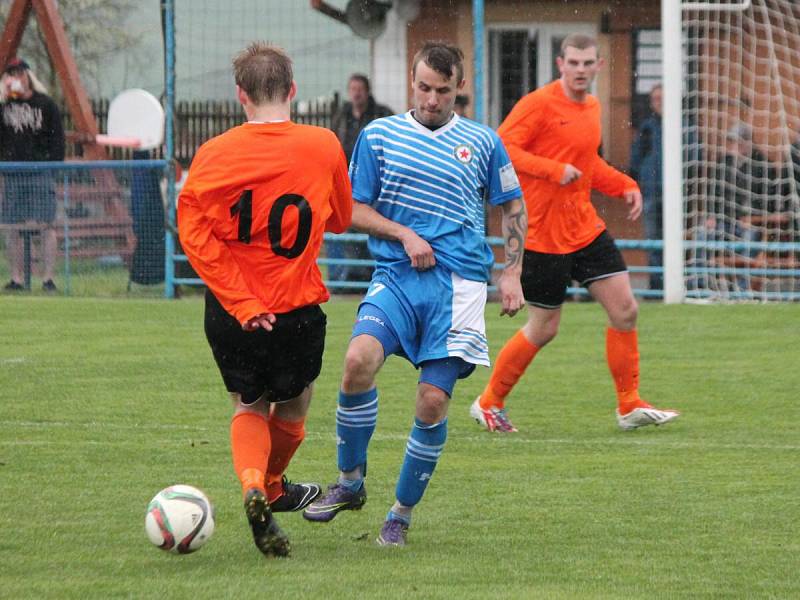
(464, 153)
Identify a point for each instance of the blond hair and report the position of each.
(264, 72)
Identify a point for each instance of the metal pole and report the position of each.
(673, 215)
(169, 48)
(67, 244)
(27, 235)
(477, 35)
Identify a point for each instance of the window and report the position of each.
(521, 59)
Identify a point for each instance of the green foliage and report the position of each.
(95, 29)
(104, 402)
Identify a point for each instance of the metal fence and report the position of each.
(93, 228)
(197, 121)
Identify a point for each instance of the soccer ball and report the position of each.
(179, 519)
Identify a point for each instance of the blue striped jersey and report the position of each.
(436, 183)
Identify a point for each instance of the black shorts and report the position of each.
(28, 197)
(279, 363)
(546, 277)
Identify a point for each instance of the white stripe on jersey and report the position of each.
(392, 182)
(423, 162)
(418, 209)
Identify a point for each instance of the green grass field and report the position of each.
(104, 402)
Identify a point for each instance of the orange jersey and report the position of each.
(543, 133)
(253, 211)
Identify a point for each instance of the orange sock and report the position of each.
(286, 438)
(250, 444)
(622, 352)
(511, 363)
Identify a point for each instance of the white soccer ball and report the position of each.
(179, 519)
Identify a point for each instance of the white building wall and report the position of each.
(390, 79)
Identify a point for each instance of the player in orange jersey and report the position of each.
(251, 219)
(552, 136)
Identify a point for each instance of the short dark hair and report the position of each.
(579, 41)
(264, 72)
(442, 58)
(362, 78)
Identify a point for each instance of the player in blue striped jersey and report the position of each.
(420, 181)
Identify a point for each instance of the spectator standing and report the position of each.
(750, 185)
(646, 169)
(355, 114)
(30, 130)
(460, 107)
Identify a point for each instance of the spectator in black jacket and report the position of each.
(354, 115)
(646, 168)
(30, 130)
(347, 123)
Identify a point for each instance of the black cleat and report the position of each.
(296, 496)
(267, 535)
(13, 286)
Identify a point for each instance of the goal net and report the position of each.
(741, 149)
(209, 33)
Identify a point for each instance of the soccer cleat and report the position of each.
(494, 419)
(645, 415)
(393, 533)
(267, 535)
(13, 286)
(335, 500)
(296, 496)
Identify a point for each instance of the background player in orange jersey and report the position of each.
(552, 136)
(251, 219)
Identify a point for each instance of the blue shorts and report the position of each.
(441, 372)
(433, 314)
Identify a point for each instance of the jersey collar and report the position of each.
(425, 131)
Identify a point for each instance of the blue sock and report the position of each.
(423, 450)
(351, 484)
(356, 417)
(393, 516)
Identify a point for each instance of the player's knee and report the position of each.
(431, 403)
(625, 314)
(360, 368)
(541, 333)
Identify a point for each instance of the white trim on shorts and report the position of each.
(467, 336)
(546, 306)
(605, 276)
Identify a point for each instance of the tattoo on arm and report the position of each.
(515, 229)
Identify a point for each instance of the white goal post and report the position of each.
(731, 148)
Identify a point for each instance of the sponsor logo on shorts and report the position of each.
(372, 318)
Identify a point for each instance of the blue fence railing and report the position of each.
(624, 244)
(111, 219)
